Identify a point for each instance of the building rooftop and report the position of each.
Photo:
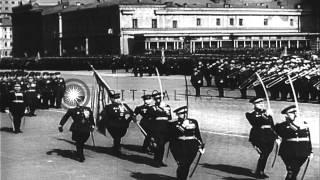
(75, 5)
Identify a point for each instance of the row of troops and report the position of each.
(23, 92)
(234, 74)
(160, 127)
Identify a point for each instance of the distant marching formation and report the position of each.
(22, 93)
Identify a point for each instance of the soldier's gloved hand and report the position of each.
(92, 128)
(311, 156)
(202, 150)
(278, 141)
(127, 116)
(38, 96)
(269, 112)
(60, 128)
(162, 104)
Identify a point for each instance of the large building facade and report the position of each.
(140, 26)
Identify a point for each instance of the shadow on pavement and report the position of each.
(64, 153)
(108, 150)
(229, 169)
(145, 176)
(6, 129)
(232, 178)
(132, 147)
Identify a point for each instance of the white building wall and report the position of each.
(254, 20)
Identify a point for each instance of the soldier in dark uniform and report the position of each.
(31, 96)
(185, 141)
(4, 91)
(262, 134)
(83, 124)
(207, 73)
(17, 106)
(296, 145)
(243, 75)
(60, 87)
(144, 114)
(116, 118)
(52, 87)
(197, 80)
(219, 79)
(46, 90)
(160, 128)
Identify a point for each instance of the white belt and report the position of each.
(187, 137)
(162, 118)
(31, 90)
(265, 126)
(297, 139)
(18, 101)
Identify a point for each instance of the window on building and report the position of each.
(218, 22)
(240, 22)
(265, 22)
(154, 23)
(5, 44)
(291, 22)
(174, 23)
(12, 2)
(6, 2)
(231, 21)
(198, 22)
(6, 8)
(134, 23)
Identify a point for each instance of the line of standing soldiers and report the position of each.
(40, 90)
(232, 74)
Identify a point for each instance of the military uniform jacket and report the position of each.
(197, 79)
(47, 86)
(262, 130)
(80, 122)
(114, 115)
(160, 119)
(17, 103)
(60, 84)
(146, 112)
(292, 144)
(185, 129)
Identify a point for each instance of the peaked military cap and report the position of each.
(256, 100)
(157, 95)
(57, 73)
(181, 110)
(146, 96)
(45, 73)
(289, 109)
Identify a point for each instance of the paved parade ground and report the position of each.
(41, 152)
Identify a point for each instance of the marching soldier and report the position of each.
(185, 141)
(60, 87)
(116, 118)
(219, 79)
(296, 145)
(83, 124)
(144, 114)
(31, 96)
(17, 106)
(160, 129)
(262, 134)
